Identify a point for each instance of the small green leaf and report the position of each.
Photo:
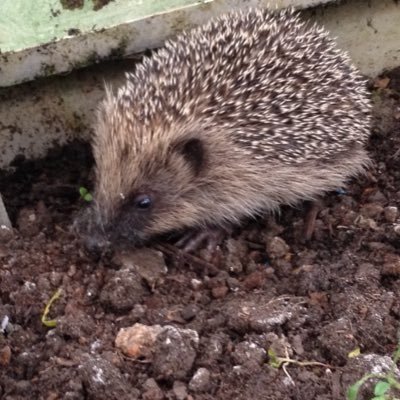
(50, 323)
(394, 383)
(88, 197)
(352, 391)
(274, 361)
(396, 355)
(83, 191)
(381, 388)
(85, 194)
(354, 353)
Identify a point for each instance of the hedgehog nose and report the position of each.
(95, 245)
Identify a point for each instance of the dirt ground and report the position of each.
(268, 293)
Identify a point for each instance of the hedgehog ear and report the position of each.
(193, 152)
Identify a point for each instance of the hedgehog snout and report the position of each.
(96, 244)
(90, 230)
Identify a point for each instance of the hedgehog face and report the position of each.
(136, 199)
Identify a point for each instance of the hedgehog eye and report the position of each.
(143, 201)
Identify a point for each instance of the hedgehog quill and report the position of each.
(254, 110)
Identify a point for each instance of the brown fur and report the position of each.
(254, 110)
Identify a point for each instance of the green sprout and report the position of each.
(277, 362)
(85, 194)
(50, 323)
(382, 387)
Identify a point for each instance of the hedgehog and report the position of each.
(228, 121)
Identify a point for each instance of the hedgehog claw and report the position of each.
(194, 240)
(314, 207)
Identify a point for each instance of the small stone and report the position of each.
(391, 213)
(189, 312)
(269, 271)
(6, 234)
(55, 278)
(262, 315)
(149, 264)
(196, 284)
(248, 351)
(366, 223)
(391, 269)
(214, 347)
(180, 390)
(5, 356)
(255, 280)
(150, 384)
(277, 247)
(75, 323)
(71, 270)
(349, 218)
(43, 284)
(137, 312)
(99, 374)
(27, 222)
(123, 291)
(201, 381)
(174, 353)
(151, 390)
(396, 229)
(233, 284)
(138, 340)
(219, 292)
(216, 321)
(371, 210)
(391, 266)
(297, 344)
(4, 324)
(377, 246)
(377, 197)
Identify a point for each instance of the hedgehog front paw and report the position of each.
(194, 240)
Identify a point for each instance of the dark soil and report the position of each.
(99, 4)
(268, 291)
(71, 4)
